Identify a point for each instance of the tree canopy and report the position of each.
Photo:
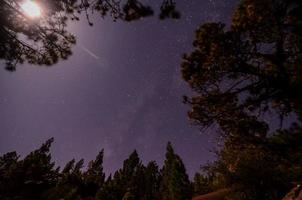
(264, 170)
(242, 71)
(44, 40)
(241, 75)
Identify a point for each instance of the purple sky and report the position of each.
(121, 90)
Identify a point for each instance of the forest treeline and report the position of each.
(36, 177)
(262, 170)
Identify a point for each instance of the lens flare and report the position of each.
(31, 8)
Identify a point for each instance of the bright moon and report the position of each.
(31, 8)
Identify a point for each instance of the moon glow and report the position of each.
(31, 8)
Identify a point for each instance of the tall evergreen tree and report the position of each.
(8, 164)
(175, 184)
(132, 176)
(30, 177)
(152, 180)
(94, 177)
(243, 71)
(109, 190)
(127, 182)
(239, 74)
(70, 185)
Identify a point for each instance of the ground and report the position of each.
(217, 195)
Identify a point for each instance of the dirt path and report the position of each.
(218, 195)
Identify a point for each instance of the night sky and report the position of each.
(121, 90)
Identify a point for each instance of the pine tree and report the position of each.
(175, 184)
(248, 69)
(131, 177)
(109, 190)
(152, 178)
(28, 178)
(70, 186)
(127, 182)
(8, 164)
(94, 177)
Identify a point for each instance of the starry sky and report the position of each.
(120, 90)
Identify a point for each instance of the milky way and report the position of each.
(121, 90)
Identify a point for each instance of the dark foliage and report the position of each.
(241, 72)
(267, 169)
(44, 40)
(35, 177)
(202, 184)
(168, 10)
(175, 184)
(27, 178)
